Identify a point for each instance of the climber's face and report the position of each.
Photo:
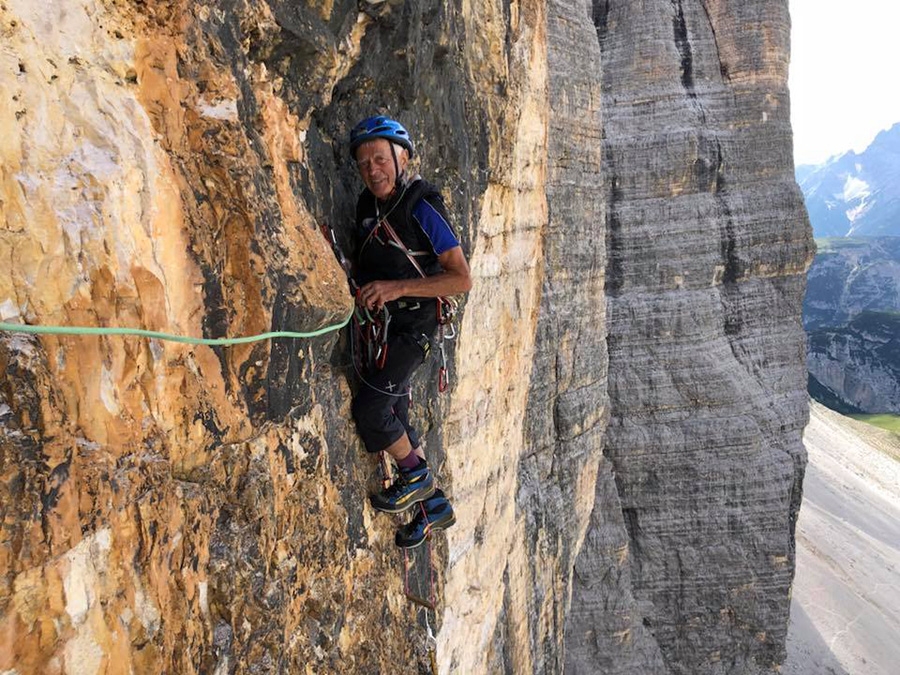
(376, 166)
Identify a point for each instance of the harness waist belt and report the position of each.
(406, 305)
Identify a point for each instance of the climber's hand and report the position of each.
(374, 294)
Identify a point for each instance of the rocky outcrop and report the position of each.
(203, 510)
(850, 313)
(855, 367)
(618, 178)
(164, 506)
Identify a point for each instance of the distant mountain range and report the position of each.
(852, 307)
(855, 368)
(856, 194)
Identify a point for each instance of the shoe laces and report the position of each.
(396, 487)
(421, 515)
(418, 521)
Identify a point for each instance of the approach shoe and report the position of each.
(411, 486)
(435, 513)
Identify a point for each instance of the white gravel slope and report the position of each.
(845, 614)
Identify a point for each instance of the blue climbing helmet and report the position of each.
(379, 126)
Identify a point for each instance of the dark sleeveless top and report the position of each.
(419, 218)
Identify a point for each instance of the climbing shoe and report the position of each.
(435, 513)
(411, 486)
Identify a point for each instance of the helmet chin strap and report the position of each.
(399, 184)
(398, 176)
(396, 166)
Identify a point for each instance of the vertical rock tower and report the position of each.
(707, 248)
(622, 434)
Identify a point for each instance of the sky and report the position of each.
(845, 74)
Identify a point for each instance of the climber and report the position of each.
(408, 259)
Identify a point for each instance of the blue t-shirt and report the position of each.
(435, 226)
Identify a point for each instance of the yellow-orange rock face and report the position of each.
(179, 508)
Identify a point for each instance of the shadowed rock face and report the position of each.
(856, 366)
(851, 313)
(621, 180)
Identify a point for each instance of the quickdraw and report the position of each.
(372, 332)
(446, 312)
(343, 261)
(443, 378)
(369, 336)
(412, 596)
(368, 331)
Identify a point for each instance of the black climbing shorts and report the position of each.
(381, 407)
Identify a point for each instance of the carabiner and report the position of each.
(383, 339)
(443, 377)
(381, 358)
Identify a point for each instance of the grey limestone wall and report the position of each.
(707, 246)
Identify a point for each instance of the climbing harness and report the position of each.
(369, 350)
(370, 332)
(377, 328)
(446, 307)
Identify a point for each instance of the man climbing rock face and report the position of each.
(408, 261)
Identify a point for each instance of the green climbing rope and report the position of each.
(92, 330)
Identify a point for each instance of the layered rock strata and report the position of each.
(168, 508)
(707, 247)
